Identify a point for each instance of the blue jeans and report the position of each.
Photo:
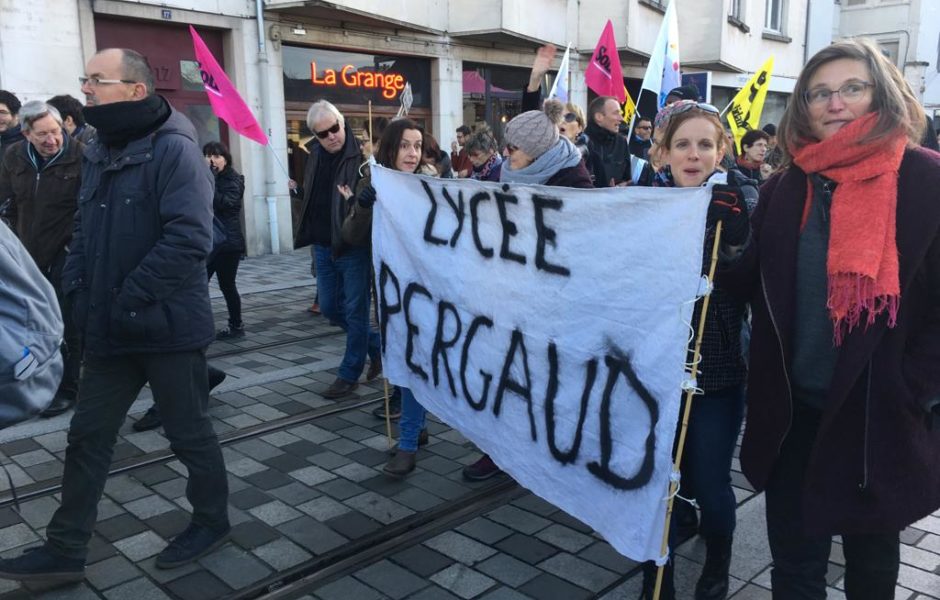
(714, 424)
(344, 288)
(412, 421)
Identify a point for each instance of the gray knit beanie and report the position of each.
(536, 131)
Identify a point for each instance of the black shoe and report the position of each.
(713, 584)
(42, 564)
(192, 544)
(60, 404)
(481, 469)
(231, 332)
(394, 408)
(667, 590)
(150, 420)
(339, 388)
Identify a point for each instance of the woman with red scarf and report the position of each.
(843, 273)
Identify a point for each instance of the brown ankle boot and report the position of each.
(401, 464)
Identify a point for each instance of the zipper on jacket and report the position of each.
(783, 359)
(863, 486)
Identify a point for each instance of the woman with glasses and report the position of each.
(843, 273)
(690, 143)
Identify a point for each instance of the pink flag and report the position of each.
(224, 98)
(603, 73)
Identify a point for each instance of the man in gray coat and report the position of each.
(136, 281)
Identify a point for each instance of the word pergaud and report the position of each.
(391, 84)
(452, 343)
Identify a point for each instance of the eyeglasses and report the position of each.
(570, 117)
(95, 81)
(326, 132)
(644, 127)
(850, 93)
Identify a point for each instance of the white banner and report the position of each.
(550, 327)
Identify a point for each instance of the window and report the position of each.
(737, 9)
(855, 2)
(773, 17)
(891, 49)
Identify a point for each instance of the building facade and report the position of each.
(464, 62)
(908, 32)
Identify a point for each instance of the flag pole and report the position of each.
(689, 394)
(277, 159)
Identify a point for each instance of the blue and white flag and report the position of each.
(560, 87)
(662, 73)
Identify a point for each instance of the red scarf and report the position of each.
(863, 256)
(747, 164)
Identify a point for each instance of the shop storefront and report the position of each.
(350, 81)
(492, 94)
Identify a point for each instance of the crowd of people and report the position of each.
(823, 329)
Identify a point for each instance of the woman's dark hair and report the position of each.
(391, 139)
(751, 136)
(431, 148)
(217, 149)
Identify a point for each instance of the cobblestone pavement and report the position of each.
(313, 490)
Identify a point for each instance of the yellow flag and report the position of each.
(744, 112)
(628, 107)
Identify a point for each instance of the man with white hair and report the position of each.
(343, 270)
(40, 177)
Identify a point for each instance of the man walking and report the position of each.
(136, 278)
(73, 119)
(343, 271)
(40, 178)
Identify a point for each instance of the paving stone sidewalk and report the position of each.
(307, 490)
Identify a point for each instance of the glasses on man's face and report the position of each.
(96, 81)
(326, 132)
(850, 93)
(644, 127)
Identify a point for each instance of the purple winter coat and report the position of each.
(875, 465)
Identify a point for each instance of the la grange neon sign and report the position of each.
(391, 84)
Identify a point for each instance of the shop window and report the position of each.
(492, 95)
(189, 73)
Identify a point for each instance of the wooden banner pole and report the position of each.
(689, 394)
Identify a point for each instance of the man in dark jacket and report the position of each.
(608, 150)
(642, 141)
(40, 177)
(9, 120)
(344, 272)
(136, 277)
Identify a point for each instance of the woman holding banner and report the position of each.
(400, 148)
(690, 146)
(843, 272)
